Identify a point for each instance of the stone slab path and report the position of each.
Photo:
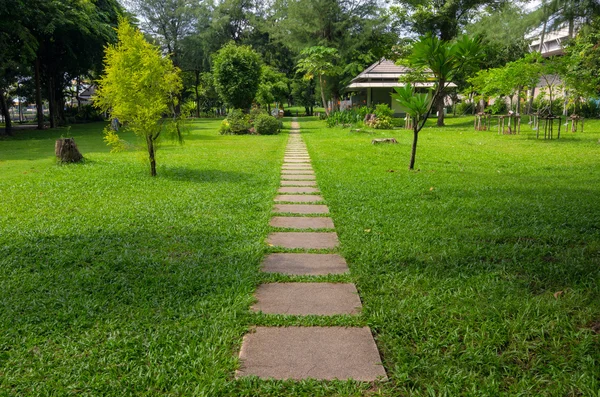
(302, 222)
(297, 353)
(302, 299)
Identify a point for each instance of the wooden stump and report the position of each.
(384, 140)
(66, 151)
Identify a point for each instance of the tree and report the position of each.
(444, 59)
(303, 92)
(416, 106)
(138, 87)
(273, 87)
(318, 61)
(237, 72)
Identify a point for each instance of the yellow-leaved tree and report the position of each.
(139, 88)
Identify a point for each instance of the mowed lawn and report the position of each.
(479, 273)
(116, 283)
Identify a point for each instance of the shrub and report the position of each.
(589, 109)
(266, 125)
(254, 113)
(499, 106)
(236, 123)
(383, 110)
(380, 123)
(464, 108)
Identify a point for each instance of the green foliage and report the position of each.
(380, 123)
(464, 108)
(237, 73)
(588, 109)
(499, 106)
(273, 87)
(138, 87)
(416, 105)
(266, 125)
(383, 110)
(236, 123)
(319, 61)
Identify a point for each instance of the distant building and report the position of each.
(85, 96)
(553, 42)
(376, 83)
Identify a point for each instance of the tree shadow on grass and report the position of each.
(197, 175)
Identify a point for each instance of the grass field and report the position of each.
(479, 273)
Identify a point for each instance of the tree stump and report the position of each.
(384, 140)
(66, 151)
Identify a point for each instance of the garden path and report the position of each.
(324, 353)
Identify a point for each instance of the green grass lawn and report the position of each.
(115, 283)
(480, 272)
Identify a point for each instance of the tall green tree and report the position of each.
(237, 72)
(319, 62)
(138, 87)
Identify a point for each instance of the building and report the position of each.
(376, 83)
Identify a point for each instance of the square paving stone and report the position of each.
(288, 160)
(325, 353)
(302, 222)
(298, 198)
(305, 240)
(298, 177)
(297, 172)
(291, 167)
(304, 264)
(301, 208)
(298, 183)
(296, 189)
(303, 299)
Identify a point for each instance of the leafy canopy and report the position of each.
(237, 73)
(138, 87)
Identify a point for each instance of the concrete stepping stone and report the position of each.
(297, 172)
(298, 198)
(303, 299)
(296, 189)
(302, 222)
(324, 353)
(299, 183)
(301, 208)
(305, 240)
(296, 160)
(296, 167)
(304, 264)
(298, 177)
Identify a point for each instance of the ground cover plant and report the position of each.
(115, 283)
(479, 271)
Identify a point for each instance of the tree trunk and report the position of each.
(6, 113)
(413, 153)
(51, 103)
(66, 151)
(197, 72)
(440, 110)
(323, 95)
(519, 100)
(151, 153)
(38, 96)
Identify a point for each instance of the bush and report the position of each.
(464, 108)
(255, 112)
(266, 125)
(381, 123)
(383, 110)
(589, 109)
(499, 106)
(236, 123)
